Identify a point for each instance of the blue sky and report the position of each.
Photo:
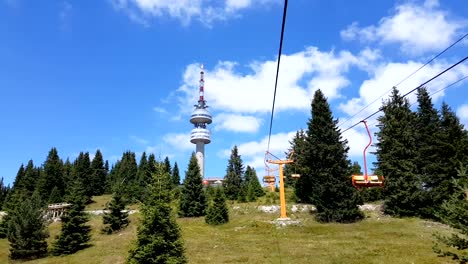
(121, 75)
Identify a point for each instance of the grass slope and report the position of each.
(249, 238)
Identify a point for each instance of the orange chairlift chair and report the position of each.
(366, 181)
(270, 177)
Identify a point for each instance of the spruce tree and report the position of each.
(27, 230)
(428, 161)
(326, 156)
(217, 212)
(192, 197)
(234, 173)
(167, 165)
(116, 219)
(158, 236)
(29, 181)
(253, 184)
(175, 175)
(396, 154)
(454, 212)
(143, 176)
(128, 170)
(298, 147)
(4, 190)
(75, 232)
(98, 174)
(68, 177)
(82, 173)
(52, 178)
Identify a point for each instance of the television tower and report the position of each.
(200, 117)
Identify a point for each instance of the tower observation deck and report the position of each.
(200, 117)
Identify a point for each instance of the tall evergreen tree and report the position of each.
(143, 175)
(454, 212)
(23, 186)
(68, 176)
(98, 174)
(27, 230)
(117, 218)
(428, 162)
(175, 175)
(328, 172)
(158, 237)
(253, 184)
(30, 179)
(128, 170)
(356, 169)
(167, 165)
(217, 212)
(3, 192)
(298, 147)
(192, 198)
(75, 232)
(52, 178)
(82, 173)
(234, 175)
(396, 153)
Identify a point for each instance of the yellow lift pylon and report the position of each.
(280, 163)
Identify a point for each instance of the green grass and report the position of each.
(250, 238)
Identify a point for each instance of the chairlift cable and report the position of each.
(406, 78)
(421, 85)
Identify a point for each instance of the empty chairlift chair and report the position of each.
(366, 181)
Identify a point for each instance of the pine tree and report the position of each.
(75, 232)
(396, 154)
(217, 212)
(20, 191)
(175, 175)
(52, 178)
(68, 176)
(167, 165)
(428, 161)
(158, 237)
(128, 170)
(192, 197)
(454, 212)
(29, 181)
(27, 230)
(356, 169)
(143, 175)
(454, 150)
(82, 173)
(326, 156)
(253, 184)
(298, 147)
(116, 219)
(4, 190)
(234, 173)
(98, 174)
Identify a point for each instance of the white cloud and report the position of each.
(139, 140)
(206, 11)
(237, 123)
(462, 113)
(160, 110)
(418, 28)
(300, 75)
(180, 141)
(65, 15)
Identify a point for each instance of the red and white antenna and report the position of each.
(201, 100)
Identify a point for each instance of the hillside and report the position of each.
(250, 238)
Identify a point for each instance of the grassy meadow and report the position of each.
(249, 237)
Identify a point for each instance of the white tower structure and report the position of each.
(200, 117)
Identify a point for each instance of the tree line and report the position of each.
(53, 179)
